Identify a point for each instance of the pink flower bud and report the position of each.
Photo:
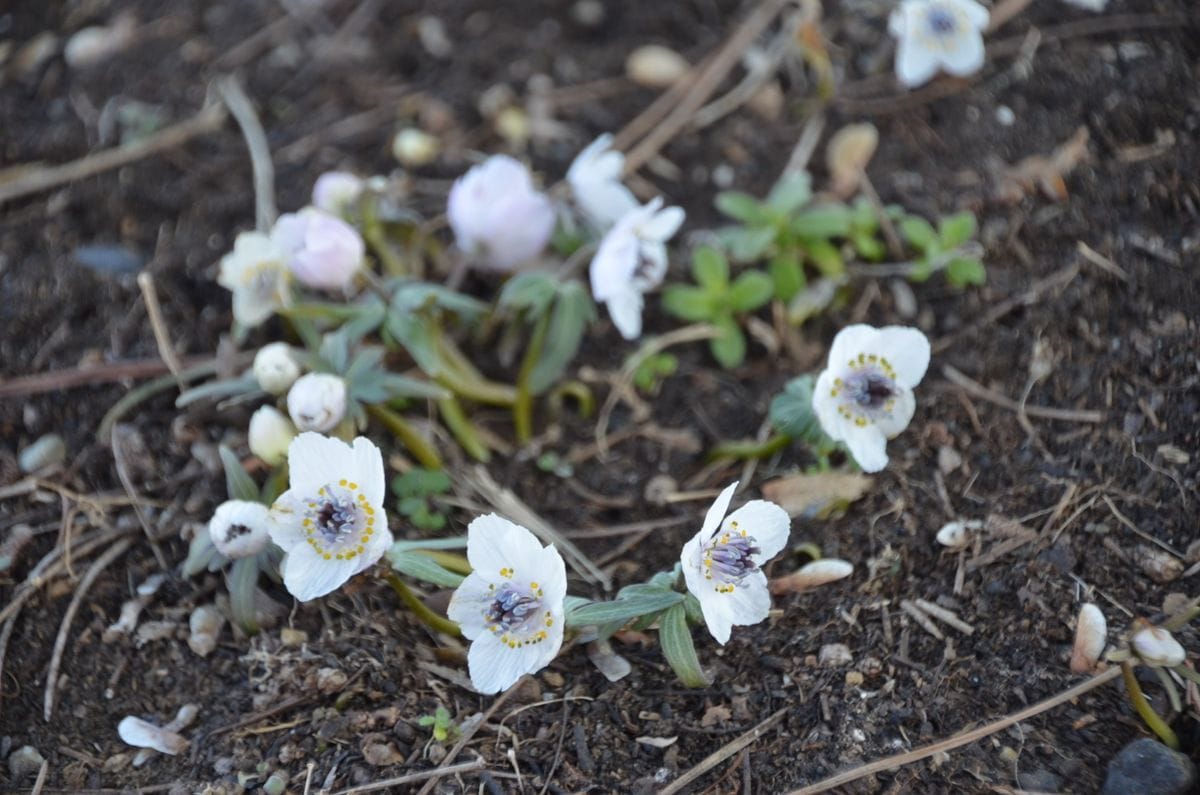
(335, 191)
(320, 249)
(497, 216)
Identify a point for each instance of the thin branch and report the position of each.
(413, 778)
(724, 752)
(975, 389)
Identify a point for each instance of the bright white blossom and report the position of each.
(631, 261)
(257, 274)
(721, 562)
(498, 217)
(336, 191)
(317, 402)
(330, 522)
(511, 605)
(239, 528)
(1156, 646)
(322, 250)
(937, 34)
(275, 368)
(864, 397)
(595, 180)
(270, 434)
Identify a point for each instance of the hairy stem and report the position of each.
(523, 406)
(456, 420)
(426, 616)
(1147, 713)
(403, 430)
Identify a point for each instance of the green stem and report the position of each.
(426, 616)
(523, 406)
(747, 450)
(576, 389)
(373, 234)
(403, 430)
(1147, 713)
(460, 375)
(447, 560)
(456, 420)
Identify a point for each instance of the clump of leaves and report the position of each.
(653, 370)
(717, 300)
(415, 490)
(442, 727)
(944, 248)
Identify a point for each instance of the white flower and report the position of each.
(239, 528)
(721, 562)
(317, 402)
(1156, 646)
(933, 34)
(270, 434)
(330, 521)
(275, 368)
(322, 250)
(497, 216)
(631, 261)
(258, 277)
(864, 397)
(511, 605)
(595, 179)
(336, 191)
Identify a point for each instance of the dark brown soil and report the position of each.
(1124, 342)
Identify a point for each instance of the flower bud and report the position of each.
(317, 402)
(1156, 646)
(336, 191)
(498, 218)
(321, 250)
(275, 369)
(414, 148)
(270, 434)
(239, 528)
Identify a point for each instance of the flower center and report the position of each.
(729, 557)
(867, 390)
(264, 281)
(941, 21)
(339, 522)
(237, 531)
(517, 614)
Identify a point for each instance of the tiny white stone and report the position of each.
(835, 655)
(957, 535)
(1091, 633)
(655, 66)
(1005, 116)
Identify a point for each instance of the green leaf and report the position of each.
(402, 386)
(242, 385)
(676, 640)
(421, 482)
(622, 609)
(367, 318)
(956, 229)
(740, 206)
(830, 220)
(791, 411)
(533, 291)
(423, 568)
(963, 271)
(408, 506)
(243, 581)
(729, 349)
(868, 246)
(791, 192)
(922, 270)
(368, 361)
(573, 312)
(751, 290)
(411, 331)
(710, 269)
(918, 232)
(688, 303)
(787, 273)
(747, 244)
(238, 484)
(335, 351)
(826, 257)
(202, 554)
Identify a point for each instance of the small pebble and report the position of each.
(1147, 767)
(835, 655)
(46, 451)
(588, 13)
(24, 761)
(655, 66)
(293, 637)
(1005, 116)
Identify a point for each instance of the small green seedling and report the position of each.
(555, 464)
(415, 490)
(716, 300)
(653, 370)
(944, 248)
(443, 728)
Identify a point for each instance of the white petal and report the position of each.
(603, 203)
(143, 734)
(368, 471)
(285, 520)
(551, 575)
(747, 603)
(712, 519)
(495, 543)
(315, 460)
(766, 522)
(379, 544)
(906, 349)
(825, 406)
(495, 667)
(653, 262)
(468, 606)
(966, 55)
(893, 424)
(307, 575)
(915, 64)
(250, 519)
(249, 310)
(625, 309)
(849, 343)
(976, 14)
(692, 565)
(663, 225)
(868, 446)
(615, 262)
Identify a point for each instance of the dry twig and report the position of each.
(978, 390)
(724, 752)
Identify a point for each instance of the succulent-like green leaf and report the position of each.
(751, 290)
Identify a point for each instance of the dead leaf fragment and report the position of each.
(1047, 174)
(847, 155)
(378, 751)
(658, 742)
(817, 496)
(716, 714)
(812, 575)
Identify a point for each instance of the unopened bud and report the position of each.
(270, 434)
(275, 368)
(317, 402)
